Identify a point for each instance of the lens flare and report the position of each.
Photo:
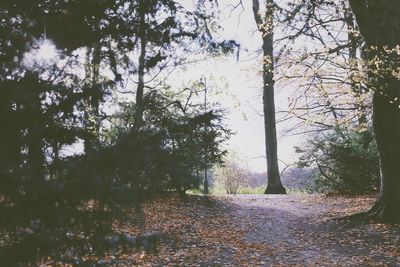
(47, 51)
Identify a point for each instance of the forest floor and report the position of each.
(255, 230)
(304, 230)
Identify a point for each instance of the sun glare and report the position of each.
(43, 52)
(47, 51)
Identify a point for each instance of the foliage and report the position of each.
(347, 162)
(191, 138)
(230, 176)
(330, 74)
(52, 105)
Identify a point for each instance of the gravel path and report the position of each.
(299, 230)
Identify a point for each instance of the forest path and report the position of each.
(242, 230)
(300, 230)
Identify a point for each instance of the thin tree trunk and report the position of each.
(354, 45)
(379, 22)
(95, 99)
(271, 146)
(141, 66)
(35, 153)
(351, 35)
(35, 145)
(206, 190)
(92, 99)
(56, 159)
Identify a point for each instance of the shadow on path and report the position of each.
(301, 230)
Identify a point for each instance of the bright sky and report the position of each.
(244, 93)
(239, 84)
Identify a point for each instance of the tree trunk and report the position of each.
(206, 190)
(141, 66)
(35, 157)
(35, 154)
(379, 22)
(271, 146)
(386, 120)
(92, 98)
(354, 45)
(95, 99)
(35, 143)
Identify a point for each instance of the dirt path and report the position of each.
(298, 230)
(245, 230)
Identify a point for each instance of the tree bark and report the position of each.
(271, 147)
(141, 66)
(206, 190)
(386, 120)
(35, 143)
(379, 23)
(354, 45)
(92, 100)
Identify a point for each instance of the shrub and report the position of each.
(348, 162)
(230, 176)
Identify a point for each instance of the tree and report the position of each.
(46, 107)
(265, 26)
(328, 73)
(379, 24)
(330, 101)
(192, 138)
(347, 161)
(230, 176)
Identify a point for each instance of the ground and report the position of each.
(305, 230)
(252, 230)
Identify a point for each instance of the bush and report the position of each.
(347, 162)
(230, 176)
(190, 138)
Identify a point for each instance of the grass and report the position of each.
(248, 190)
(259, 190)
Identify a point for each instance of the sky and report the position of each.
(242, 85)
(234, 82)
